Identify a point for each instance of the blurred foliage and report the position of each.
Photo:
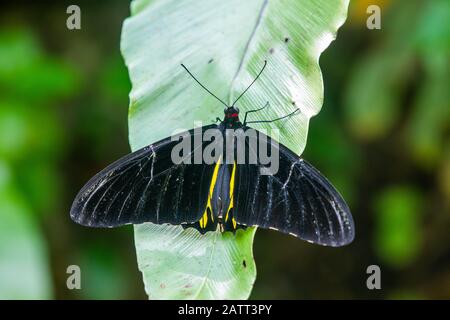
(24, 272)
(55, 112)
(382, 138)
(416, 47)
(397, 226)
(31, 141)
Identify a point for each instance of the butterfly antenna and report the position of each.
(204, 86)
(256, 78)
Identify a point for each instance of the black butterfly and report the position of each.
(147, 186)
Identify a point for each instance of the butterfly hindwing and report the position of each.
(145, 186)
(296, 200)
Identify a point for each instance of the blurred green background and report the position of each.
(382, 138)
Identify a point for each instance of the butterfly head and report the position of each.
(231, 116)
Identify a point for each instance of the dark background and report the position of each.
(382, 138)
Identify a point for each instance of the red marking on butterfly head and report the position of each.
(231, 115)
(231, 118)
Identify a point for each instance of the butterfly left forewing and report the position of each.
(145, 186)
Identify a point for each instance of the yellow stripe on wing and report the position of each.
(204, 219)
(233, 173)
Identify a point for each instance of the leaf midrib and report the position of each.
(246, 49)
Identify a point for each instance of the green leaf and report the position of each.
(224, 43)
(183, 264)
